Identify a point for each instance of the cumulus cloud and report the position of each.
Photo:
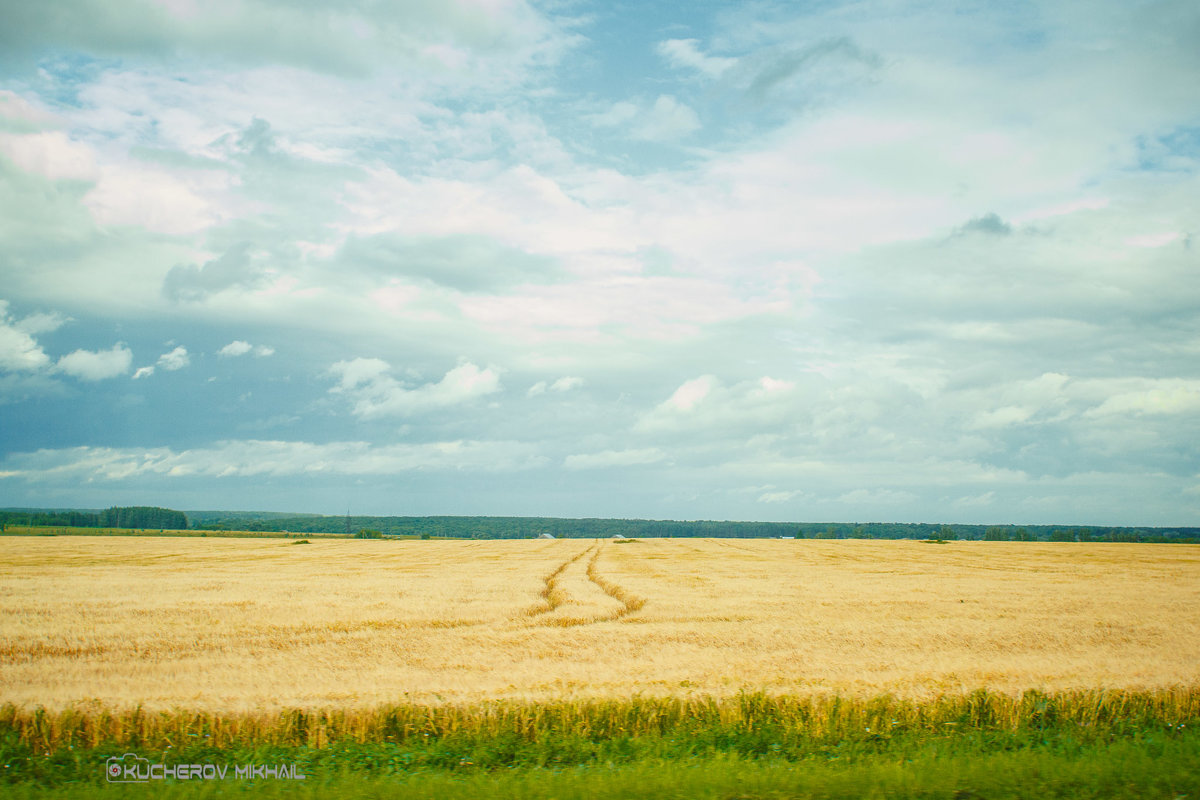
(375, 393)
(614, 458)
(1165, 397)
(51, 154)
(174, 360)
(686, 53)
(690, 393)
(18, 349)
(157, 200)
(235, 348)
(706, 404)
(92, 365)
(19, 113)
(240, 348)
(564, 384)
(779, 497)
(947, 300)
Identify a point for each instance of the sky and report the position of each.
(802, 261)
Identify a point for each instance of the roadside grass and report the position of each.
(983, 745)
(1154, 764)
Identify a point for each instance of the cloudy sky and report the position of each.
(876, 260)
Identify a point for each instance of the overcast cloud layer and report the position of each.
(860, 261)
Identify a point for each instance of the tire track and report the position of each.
(577, 594)
(553, 595)
(629, 601)
(731, 545)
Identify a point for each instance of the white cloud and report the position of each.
(51, 154)
(91, 365)
(668, 119)
(705, 404)
(686, 53)
(240, 348)
(152, 199)
(175, 360)
(825, 227)
(779, 497)
(15, 107)
(614, 458)
(235, 348)
(376, 393)
(1166, 397)
(359, 372)
(566, 384)
(18, 349)
(619, 308)
(690, 393)
(36, 323)
(248, 458)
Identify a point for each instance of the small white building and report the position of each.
(546, 536)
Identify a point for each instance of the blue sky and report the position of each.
(779, 261)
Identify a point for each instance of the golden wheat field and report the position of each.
(259, 624)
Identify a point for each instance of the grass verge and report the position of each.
(1132, 768)
(1084, 744)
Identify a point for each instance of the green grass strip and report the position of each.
(1153, 767)
(1122, 769)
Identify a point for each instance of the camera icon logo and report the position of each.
(128, 768)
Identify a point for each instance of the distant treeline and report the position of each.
(154, 518)
(529, 527)
(144, 517)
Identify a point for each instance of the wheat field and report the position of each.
(236, 625)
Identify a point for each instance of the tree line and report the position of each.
(531, 527)
(154, 518)
(141, 517)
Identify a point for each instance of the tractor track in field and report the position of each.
(552, 594)
(733, 546)
(630, 602)
(555, 595)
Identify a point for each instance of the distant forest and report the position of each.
(141, 517)
(529, 527)
(153, 518)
